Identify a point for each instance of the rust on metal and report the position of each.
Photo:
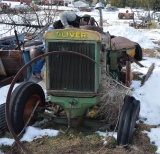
(89, 27)
(126, 15)
(137, 62)
(2, 69)
(120, 42)
(30, 107)
(10, 63)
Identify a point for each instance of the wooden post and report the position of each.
(128, 73)
(150, 70)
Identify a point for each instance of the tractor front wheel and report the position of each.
(23, 102)
(127, 121)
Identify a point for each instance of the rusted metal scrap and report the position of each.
(11, 62)
(14, 53)
(126, 15)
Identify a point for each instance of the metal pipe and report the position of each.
(100, 6)
(19, 47)
(101, 18)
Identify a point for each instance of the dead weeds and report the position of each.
(152, 52)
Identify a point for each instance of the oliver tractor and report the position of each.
(73, 72)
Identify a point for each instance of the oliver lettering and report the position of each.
(71, 34)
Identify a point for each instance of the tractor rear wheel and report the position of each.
(24, 99)
(127, 121)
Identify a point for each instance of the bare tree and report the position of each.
(29, 21)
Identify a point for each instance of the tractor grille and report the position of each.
(72, 72)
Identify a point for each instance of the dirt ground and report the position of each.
(87, 142)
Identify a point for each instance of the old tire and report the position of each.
(14, 97)
(3, 124)
(138, 52)
(25, 97)
(127, 121)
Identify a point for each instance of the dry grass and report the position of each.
(149, 52)
(152, 52)
(80, 142)
(158, 43)
(112, 94)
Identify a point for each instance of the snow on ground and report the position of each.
(31, 134)
(34, 133)
(148, 94)
(154, 137)
(133, 35)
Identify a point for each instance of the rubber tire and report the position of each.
(138, 52)
(3, 123)
(127, 121)
(20, 97)
(14, 97)
(122, 118)
(135, 114)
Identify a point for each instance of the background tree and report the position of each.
(136, 3)
(123, 3)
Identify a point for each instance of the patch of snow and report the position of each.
(34, 133)
(154, 137)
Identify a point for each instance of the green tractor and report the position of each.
(72, 77)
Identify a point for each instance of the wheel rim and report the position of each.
(30, 105)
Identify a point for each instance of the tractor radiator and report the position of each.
(72, 72)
